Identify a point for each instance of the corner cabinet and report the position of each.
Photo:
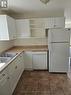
(7, 28)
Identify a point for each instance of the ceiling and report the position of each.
(36, 8)
(22, 6)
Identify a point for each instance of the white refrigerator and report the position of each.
(58, 45)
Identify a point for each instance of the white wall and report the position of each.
(4, 45)
(30, 41)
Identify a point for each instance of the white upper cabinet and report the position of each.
(11, 27)
(36, 27)
(7, 28)
(57, 22)
(23, 28)
(49, 22)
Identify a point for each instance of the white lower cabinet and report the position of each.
(13, 75)
(39, 60)
(15, 69)
(4, 83)
(35, 60)
(20, 62)
(28, 60)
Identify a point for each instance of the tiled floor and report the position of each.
(43, 83)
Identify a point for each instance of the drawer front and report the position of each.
(3, 74)
(12, 67)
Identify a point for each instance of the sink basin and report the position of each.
(4, 59)
(2, 64)
(8, 54)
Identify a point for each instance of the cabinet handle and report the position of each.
(16, 67)
(54, 25)
(3, 74)
(20, 55)
(8, 78)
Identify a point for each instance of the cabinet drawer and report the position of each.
(12, 67)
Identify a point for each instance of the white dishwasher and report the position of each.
(39, 60)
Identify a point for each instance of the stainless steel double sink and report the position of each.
(5, 57)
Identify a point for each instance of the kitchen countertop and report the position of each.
(28, 48)
(20, 49)
(2, 67)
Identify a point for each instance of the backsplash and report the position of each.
(30, 41)
(4, 45)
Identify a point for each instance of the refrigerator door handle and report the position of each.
(51, 47)
(60, 42)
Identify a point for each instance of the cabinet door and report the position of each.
(12, 70)
(39, 60)
(59, 22)
(3, 28)
(4, 87)
(14, 28)
(4, 84)
(23, 28)
(20, 64)
(49, 23)
(7, 28)
(15, 70)
(28, 60)
(11, 27)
